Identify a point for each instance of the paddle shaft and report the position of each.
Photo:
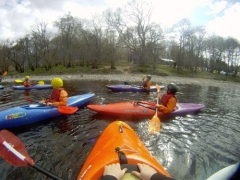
(35, 166)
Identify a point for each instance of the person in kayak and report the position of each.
(58, 96)
(27, 83)
(168, 101)
(114, 172)
(146, 83)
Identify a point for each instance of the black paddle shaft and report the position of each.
(35, 166)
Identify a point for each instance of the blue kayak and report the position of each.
(1, 87)
(31, 113)
(37, 86)
(131, 88)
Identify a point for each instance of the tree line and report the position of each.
(125, 34)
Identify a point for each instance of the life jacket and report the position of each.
(55, 95)
(146, 84)
(165, 98)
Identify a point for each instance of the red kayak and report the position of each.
(142, 109)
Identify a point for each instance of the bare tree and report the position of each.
(183, 30)
(4, 54)
(40, 41)
(66, 26)
(135, 29)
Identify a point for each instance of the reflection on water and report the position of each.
(189, 147)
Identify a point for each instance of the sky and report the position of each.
(220, 17)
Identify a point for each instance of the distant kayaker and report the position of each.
(114, 172)
(146, 83)
(27, 83)
(168, 101)
(58, 96)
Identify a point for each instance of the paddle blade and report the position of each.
(154, 125)
(40, 82)
(158, 88)
(9, 156)
(18, 80)
(67, 109)
(5, 73)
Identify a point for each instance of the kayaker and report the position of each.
(168, 101)
(27, 83)
(146, 83)
(58, 96)
(114, 172)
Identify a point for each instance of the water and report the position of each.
(190, 147)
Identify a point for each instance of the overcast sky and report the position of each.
(219, 17)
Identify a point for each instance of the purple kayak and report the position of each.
(131, 88)
(142, 109)
(37, 86)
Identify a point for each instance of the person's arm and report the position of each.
(170, 106)
(62, 99)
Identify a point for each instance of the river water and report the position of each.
(190, 147)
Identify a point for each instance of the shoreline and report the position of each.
(133, 78)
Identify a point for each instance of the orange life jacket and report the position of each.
(165, 98)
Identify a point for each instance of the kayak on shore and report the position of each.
(26, 114)
(117, 136)
(131, 88)
(37, 86)
(142, 109)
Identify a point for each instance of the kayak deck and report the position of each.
(117, 135)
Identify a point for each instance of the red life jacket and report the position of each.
(54, 97)
(165, 98)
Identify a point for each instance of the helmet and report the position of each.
(27, 77)
(148, 76)
(172, 88)
(57, 82)
(129, 176)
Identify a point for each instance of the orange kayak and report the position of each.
(117, 136)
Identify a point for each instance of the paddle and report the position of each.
(61, 109)
(15, 153)
(154, 124)
(20, 81)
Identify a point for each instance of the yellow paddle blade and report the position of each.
(154, 125)
(18, 80)
(40, 82)
(158, 88)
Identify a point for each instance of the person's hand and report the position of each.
(146, 172)
(114, 170)
(42, 102)
(49, 104)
